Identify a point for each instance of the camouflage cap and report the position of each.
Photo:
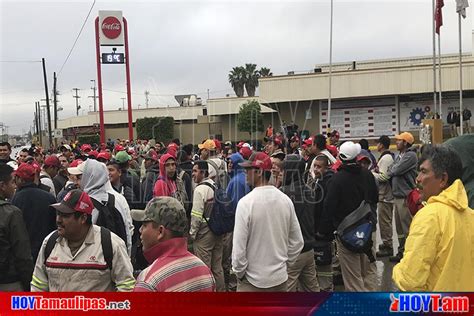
(163, 210)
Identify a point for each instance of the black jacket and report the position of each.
(347, 189)
(188, 167)
(148, 183)
(16, 263)
(59, 182)
(40, 219)
(128, 179)
(302, 197)
(320, 189)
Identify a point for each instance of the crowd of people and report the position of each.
(290, 215)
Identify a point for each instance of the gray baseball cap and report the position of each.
(163, 210)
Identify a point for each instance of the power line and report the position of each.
(78, 35)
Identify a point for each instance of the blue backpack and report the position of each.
(222, 217)
(355, 231)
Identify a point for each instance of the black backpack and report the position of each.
(106, 243)
(222, 217)
(110, 218)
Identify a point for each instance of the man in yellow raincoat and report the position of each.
(439, 251)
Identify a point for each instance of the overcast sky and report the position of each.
(188, 47)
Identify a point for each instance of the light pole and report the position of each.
(94, 89)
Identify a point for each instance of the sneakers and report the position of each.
(384, 251)
(396, 258)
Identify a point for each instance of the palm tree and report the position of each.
(265, 72)
(237, 80)
(251, 79)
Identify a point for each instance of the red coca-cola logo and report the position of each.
(111, 27)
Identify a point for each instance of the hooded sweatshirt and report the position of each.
(165, 186)
(95, 182)
(439, 250)
(301, 196)
(237, 187)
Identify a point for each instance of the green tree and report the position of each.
(237, 80)
(264, 72)
(250, 118)
(159, 128)
(251, 79)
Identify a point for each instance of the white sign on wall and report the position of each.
(361, 121)
(111, 28)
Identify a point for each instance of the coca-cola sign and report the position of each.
(111, 27)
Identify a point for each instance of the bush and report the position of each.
(89, 139)
(159, 128)
(250, 118)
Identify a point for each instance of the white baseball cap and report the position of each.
(349, 151)
(77, 170)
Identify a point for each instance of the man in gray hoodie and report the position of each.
(403, 175)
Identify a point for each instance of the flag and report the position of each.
(461, 6)
(439, 14)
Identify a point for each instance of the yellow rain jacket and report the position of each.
(439, 250)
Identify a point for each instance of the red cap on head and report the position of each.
(86, 147)
(75, 163)
(52, 161)
(94, 153)
(308, 141)
(246, 152)
(118, 147)
(258, 160)
(25, 171)
(104, 155)
(173, 145)
(75, 201)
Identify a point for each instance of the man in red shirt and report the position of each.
(173, 268)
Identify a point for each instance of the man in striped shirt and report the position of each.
(173, 268)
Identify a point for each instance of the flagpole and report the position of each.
(330, 73)
(440, 106)
(434, 57)
(460, 72)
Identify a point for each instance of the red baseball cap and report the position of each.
(258, 160)
(308, 141)
(94, 153)
(118, 147)
(104, 155)
(173, 145)
(75, 201)
(52, 161)
(25, 171)
(86, 147)
(75, 163)
(246, 152)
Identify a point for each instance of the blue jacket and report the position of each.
(237, 187)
